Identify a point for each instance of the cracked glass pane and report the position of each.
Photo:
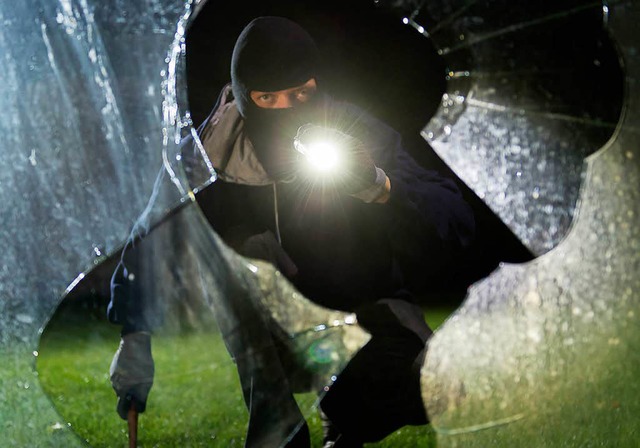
(82, 122)
(94, 108)
(532, 90)
(544, 353)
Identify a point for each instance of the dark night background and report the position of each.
(372, 59)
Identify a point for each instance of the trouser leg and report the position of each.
(379, 390)
(274, 417)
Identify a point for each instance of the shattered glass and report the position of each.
(544, 353)
(94, 108)
(533, 88)
(82, 119)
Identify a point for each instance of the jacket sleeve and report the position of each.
(133, 304)
(425, 195)
(130, 305)
(427, 220)
(123, 307)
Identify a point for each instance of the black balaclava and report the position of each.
(271, 54)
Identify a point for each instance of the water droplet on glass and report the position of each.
(24, 318)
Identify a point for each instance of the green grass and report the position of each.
(26, 416)
(195, 400)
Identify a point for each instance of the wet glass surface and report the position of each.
(92, 112)
(82, 125)
(544, 353)
(532, 90)
(95, 107)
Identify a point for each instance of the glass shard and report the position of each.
(546, 353)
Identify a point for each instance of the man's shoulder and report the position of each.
(229, 149)
(223, 125)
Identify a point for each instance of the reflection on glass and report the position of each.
(188, 282)
(546, 354)
(81, 120)
(81, 106)
(532, 91)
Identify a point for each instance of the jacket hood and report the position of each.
(230, 150)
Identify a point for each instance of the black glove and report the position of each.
(132, 371)
(265, 246)
(354, 171)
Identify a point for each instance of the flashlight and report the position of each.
(319, 146)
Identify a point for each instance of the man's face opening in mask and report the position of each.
(274, 71)
(286, 98)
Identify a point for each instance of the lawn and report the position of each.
(196, 398)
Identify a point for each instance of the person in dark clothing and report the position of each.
(359, 236)
(354, 241)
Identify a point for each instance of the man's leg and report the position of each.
(379, 390)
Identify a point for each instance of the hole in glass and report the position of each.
(67, 318)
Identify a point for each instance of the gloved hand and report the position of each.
(132, 371)
(354, 169)
(265, 246)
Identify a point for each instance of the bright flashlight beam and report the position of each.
(322, 156)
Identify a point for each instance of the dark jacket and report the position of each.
(337, 250)
(346, 252)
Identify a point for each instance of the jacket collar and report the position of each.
(228, 147)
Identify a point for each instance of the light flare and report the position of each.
(322, 156)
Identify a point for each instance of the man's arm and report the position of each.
(428, 222)
(132, 368)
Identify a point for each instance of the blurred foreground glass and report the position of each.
(92, 109)
(545, 353)
(95, 109)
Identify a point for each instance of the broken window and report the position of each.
(94, 106)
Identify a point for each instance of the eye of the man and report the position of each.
(266, 97)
